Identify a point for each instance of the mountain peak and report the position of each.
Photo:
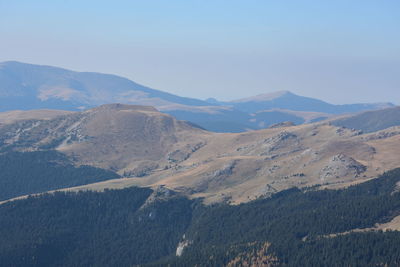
(13, 63)
(10, 62)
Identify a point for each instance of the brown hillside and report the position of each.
(154, 149)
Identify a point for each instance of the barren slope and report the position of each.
(239, 167)
(154, 149)
(133, 140)
(39, 114)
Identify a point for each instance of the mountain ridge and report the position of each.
(291, 101)
(149, 148)
(29, 86)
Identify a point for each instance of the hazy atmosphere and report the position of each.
(200, 133)
(338, 51)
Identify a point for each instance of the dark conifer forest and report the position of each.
(122, 228)
(39, 171)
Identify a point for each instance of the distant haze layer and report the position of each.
(339, 51)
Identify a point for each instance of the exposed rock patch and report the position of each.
(182, 245)
(381, 135)
(184, 153)
(217, 177)
(340, 166)
(142, 169)
(282, 124)
(284, 140)
(225, 171)
(160, 193)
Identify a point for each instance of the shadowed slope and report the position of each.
(371, 121)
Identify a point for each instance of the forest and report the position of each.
(296, 223)
(296, 227)
(25, 173)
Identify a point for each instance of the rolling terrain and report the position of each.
(127, 185)
(151, 149)
(132, 140)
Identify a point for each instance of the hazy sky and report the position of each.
(339, 51)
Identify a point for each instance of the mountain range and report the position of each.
(281, 180)
(27, 86)
(129, 180)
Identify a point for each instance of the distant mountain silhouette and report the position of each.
(371, 121)
(288, 100)
(27, 86)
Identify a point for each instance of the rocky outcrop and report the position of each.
(282, 124)
(160, 193)
(340, 166)
(382, 134)
(182, 245)
(284, 140)
(183, 154)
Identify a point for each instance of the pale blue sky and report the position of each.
(341, 51)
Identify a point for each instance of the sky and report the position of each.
(341, 51)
